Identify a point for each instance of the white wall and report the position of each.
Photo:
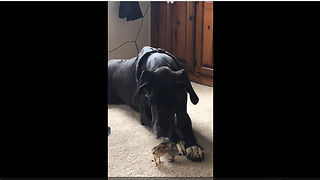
(121, 30)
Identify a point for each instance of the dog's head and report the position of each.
(164, 92)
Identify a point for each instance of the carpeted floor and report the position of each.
(130, 144)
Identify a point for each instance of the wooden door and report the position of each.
(161, 25)
(172, 28)
(183, 33)
(185, 29)
(204, 43)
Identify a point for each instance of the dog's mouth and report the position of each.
(159, 135)
(159, 132)
(162, 132)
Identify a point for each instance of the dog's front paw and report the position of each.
(195, 153)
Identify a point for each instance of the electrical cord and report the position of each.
(135, 41)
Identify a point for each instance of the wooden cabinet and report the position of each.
(185, 29)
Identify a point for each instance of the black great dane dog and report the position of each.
(155, 84)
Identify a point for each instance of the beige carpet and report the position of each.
(130, 144)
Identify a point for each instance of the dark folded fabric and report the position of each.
(130, 10)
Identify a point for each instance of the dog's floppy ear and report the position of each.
(145, 79)
(182, 78)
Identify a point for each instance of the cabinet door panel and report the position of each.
(183, 28)
(179, 29)
(160, 25)
(204, 39)
(207, 51)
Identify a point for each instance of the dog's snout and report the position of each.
(158, 135)
(158, 131)
(156, 128)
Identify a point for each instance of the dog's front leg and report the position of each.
(193, 151)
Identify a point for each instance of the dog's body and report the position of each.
(155, 84)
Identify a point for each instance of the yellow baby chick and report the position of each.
(159, 151)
